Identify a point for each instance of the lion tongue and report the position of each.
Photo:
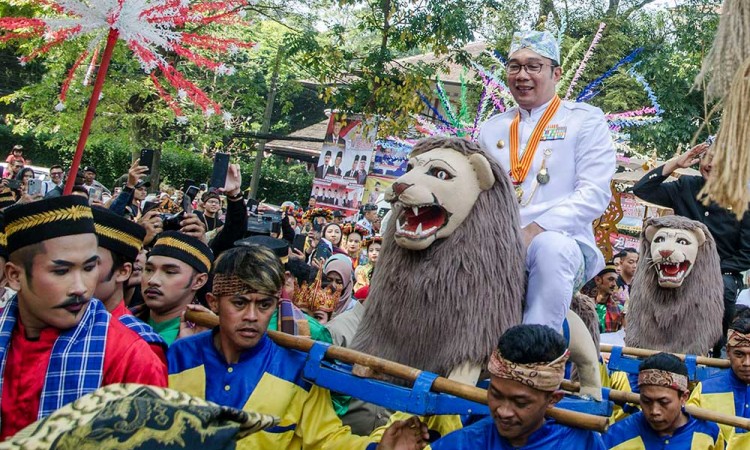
(670, 270)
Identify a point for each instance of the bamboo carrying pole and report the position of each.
(644, 353)
(443, 385)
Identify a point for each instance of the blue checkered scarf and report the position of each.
(143, 330)
(77, 361)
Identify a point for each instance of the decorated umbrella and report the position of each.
(148, 28)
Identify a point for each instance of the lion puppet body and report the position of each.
(451, 274)
(676, 302)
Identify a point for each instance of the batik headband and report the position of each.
(541, 376)
(656, 377)
(224, 284)
(737, 339)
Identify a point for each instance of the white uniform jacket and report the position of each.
(580, 164)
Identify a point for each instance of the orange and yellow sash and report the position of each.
(519, 170)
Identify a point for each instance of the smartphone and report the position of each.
(221, 166)
(147, 158)
(14, 184)
(35, 187)
(322, 251)
(299, 242)
(95, 194)
(187, 199)
(187, 184)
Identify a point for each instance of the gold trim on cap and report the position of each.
(76, 212)
(185, 247)
(119, 235)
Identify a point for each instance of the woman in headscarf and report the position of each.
(338, 271)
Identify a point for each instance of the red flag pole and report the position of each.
(100, 76)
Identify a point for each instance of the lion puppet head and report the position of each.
(451, 272)
(676, 299)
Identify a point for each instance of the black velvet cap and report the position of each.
(118, 234)
(31, 223)
(187, 249)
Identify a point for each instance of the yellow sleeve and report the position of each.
(720, 443)
(695, 396)
(320, 428)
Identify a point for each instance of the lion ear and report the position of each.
(649, 232)
(483, 170)
(700, 235)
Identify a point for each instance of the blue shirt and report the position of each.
(483, 435)
(634, 433)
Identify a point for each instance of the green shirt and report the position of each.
(168, 329)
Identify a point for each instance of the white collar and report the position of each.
(535, 113)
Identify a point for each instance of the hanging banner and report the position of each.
(341, 172)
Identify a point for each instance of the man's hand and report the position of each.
(188, 328)
(135, 173)
(296, 254)
(409, 434)
(233, 182)
(685, 160)
(153, 224)
(192, 225)
(26, 198)
(530, 231)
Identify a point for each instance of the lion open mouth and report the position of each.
(672, 272)
(419, 222)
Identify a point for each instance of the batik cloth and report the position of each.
(737, 339)
(133, 416)
(541, 376)
(541, 42)
(663, 378)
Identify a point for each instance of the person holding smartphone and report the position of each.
(128, 203)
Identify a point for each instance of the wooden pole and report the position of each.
(443, 385)
(91, 110)
(645, 353)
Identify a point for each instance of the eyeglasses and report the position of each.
(514, 68)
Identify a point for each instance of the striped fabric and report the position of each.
(143, 330)
(75, 367)
(292, 320)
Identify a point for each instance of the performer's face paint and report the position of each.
(60, 282)
(518, 410)
(739, 357)
(662, 408)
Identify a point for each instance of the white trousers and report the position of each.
(552, 261)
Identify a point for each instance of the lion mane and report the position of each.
(686, 319)
(448, 304)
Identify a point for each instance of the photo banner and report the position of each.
(345, 159)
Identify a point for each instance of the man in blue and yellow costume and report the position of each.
(663, 423)
(729, 392)
(236, 364)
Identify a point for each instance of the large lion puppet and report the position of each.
(676, 300)
(451, 275)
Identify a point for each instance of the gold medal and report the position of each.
(500, 143)
(519, 193)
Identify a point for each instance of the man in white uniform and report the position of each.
(560, 158)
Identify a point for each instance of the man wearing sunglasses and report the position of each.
(560, 159)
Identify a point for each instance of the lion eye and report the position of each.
(440, 174)
(683, 241)
(659, 239)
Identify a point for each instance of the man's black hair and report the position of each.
(303, 272)
(664, 361)
(620, 255)
(56, 166)
(741, 325)
(117, 262)
(628, 250)
(741, 312)
(525, 344)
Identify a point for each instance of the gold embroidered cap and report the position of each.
(118, 234)
(31, 223)
(7, 198)
(187, 249)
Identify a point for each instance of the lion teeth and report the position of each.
(399, 227)
(419, 229)
(415, 210)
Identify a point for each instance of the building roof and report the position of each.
(301, 150)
